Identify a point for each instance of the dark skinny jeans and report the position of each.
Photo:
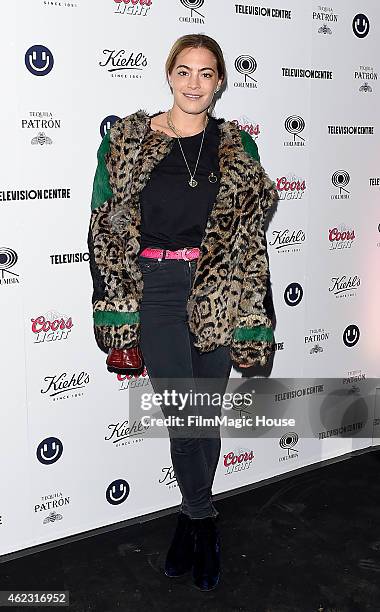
(167, 346)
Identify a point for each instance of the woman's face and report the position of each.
(194, 79)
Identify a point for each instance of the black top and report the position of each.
(173, 214)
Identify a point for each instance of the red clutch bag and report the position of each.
(124, 360)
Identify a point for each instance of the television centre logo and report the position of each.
(262, 11)
(194, 15)
(246, 65)
(288, 443)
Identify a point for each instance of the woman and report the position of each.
(180, 268)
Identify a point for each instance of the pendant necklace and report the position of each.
(192, 182)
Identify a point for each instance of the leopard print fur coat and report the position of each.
(225, 305)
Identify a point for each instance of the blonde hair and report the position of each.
(197, 41)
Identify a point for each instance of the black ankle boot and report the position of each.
(206, 567)
(179, 559)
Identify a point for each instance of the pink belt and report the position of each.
(187, 253)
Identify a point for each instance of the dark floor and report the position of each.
(310, 543)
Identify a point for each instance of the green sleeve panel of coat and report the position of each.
(249, 145)
(253, 337)
(101, 189)
(116, 318)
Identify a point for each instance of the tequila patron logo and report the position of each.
(124, 63)
(246, 65)
(340, 180)
(341, 238)
(139, 8)
(325, 17)
(314, 337)
(290, 187)
(194, 15)
(367, 76)
(40, 122)
(286, 241)
(50, 503)
(294, 125)
(353, 376)
(51, 327)
(8, 259)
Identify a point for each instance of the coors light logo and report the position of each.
(138, 8)
(238, 461)
(341, 238)
(51, 327)
(290, 187)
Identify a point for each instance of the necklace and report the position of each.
(192, 182)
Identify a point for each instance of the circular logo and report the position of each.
(49, 450)
(351, 335)
(293, 294)
(8, 258)
(117, 491)
(192, 4)
(245, 64)
(294, 124)
(360, 25)
(289, 440)
(39, 60)
(107, 123)
(340, 178)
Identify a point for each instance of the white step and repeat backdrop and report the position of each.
(303, 81)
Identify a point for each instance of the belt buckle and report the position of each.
(184, 253)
